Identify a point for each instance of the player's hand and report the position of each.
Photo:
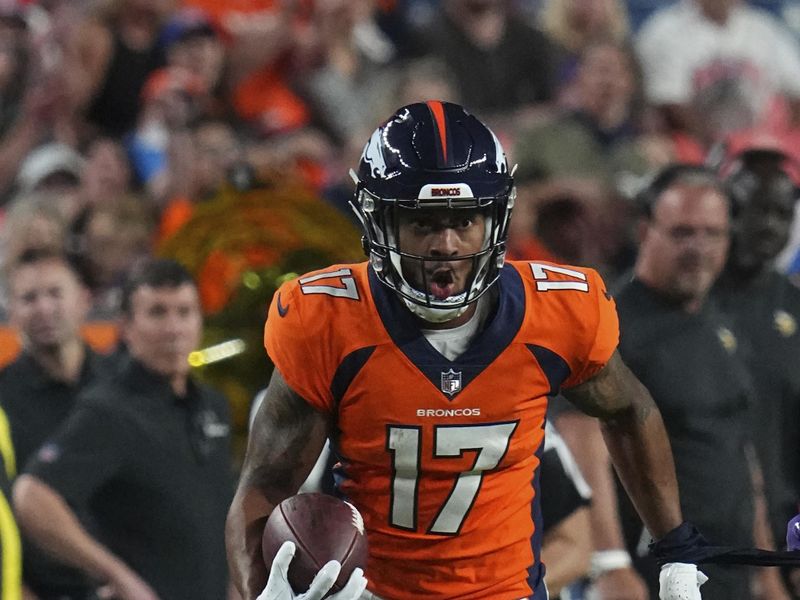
(680, 581)
(619, 584)
(278, 587)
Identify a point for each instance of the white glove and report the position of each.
(680, 581)
(278, 587)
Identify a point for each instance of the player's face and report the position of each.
(764, 223)
(442, 235)
(47, 304)
(686, 242)
(163, 327)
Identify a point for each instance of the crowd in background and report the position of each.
(121, 121)
(118, 118)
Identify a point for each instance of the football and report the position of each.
(322, 528)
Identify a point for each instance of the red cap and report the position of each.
(785, 144)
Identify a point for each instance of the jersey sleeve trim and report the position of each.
(347, 371)
(554, 367)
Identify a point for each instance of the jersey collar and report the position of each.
(500, 329)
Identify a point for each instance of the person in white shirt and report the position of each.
(717, 66)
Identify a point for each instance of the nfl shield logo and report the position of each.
(451, 382)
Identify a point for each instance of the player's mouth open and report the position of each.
(442, 284)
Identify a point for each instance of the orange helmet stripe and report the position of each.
(437, 110)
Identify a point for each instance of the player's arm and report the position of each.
(286, 438)
(637, 441)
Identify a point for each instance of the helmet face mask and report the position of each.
(437, 160)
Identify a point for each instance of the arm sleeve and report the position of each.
(298, 343)
(84, 454)
(601, 333)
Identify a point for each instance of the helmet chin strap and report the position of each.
(435, 315)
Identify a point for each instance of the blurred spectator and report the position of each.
(192, 43)
(34, 103)
(33, 222)
(572, 167)
(498, 61)
(47, 305)
(171, 99)
(106, 173)
(212, 160)
(600, 134)
(686, 353)
(349, 82)
(261, 37)
(717, 66)
(54, 169)
(574, 24)
(117, 49)
(765, 309)
(13, 61)
(147, 453)
(113, 238)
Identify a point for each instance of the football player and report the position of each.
(429, 366)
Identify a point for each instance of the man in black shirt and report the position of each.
(47, 306)
(686, 354)
(764, 307)
(147, 453)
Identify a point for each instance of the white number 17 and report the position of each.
(577, 279)
(489, 441)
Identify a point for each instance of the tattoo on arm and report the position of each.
(286, 438)
(613, 392)
(637, 442)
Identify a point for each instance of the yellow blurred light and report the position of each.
(251, 280)
(281, 279)
(216, 353)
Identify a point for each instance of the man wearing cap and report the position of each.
(54, 168)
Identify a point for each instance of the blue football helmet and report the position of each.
(433, 155)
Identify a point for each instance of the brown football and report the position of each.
(322, 528)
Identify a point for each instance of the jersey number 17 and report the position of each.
(489, 442)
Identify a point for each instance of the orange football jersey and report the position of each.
(441, 457)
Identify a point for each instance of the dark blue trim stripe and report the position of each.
(554, 367)
(404, 329)
(536, 571)
(347, 371)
